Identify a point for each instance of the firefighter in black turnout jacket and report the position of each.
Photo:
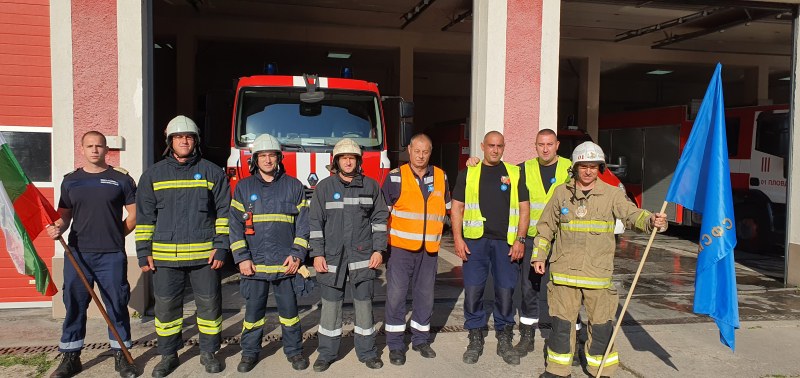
(269, 239)
(348, 235)
(182, 233)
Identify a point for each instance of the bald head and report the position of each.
(493, 146)
(494, 134)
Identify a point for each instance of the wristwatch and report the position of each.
(521, 239)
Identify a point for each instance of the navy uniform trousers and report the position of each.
(489, 254)
(416, 270)
(110, 272)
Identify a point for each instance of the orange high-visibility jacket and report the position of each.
(413, 219)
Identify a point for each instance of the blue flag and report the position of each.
(702, 183)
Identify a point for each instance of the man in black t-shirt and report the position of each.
(92, 199)
(490, 216)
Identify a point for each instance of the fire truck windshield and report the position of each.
(281, 113)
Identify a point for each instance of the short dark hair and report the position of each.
(546, 132)
(422, 136)
(94, 133)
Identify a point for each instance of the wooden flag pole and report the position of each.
(68, 252)
(630, 294)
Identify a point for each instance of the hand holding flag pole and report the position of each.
(68, 253)
(702, 184)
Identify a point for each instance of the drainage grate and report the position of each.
(234, 340)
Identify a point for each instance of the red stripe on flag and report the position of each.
(34, 211)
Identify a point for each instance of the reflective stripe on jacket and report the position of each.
(473, 219)
(538, 197)
(413, 219)
(182, 212)
(584, 253)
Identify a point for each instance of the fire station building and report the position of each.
(125, 67)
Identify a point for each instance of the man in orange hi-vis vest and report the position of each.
(418, 197)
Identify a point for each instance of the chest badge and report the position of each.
(564, 211)
(337, 195)
(430, 188)
(198, 176)
(581, 211)
(503, 187)
(553, 180)
(254, 197)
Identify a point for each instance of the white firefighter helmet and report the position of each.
(346, 146)
(181, 125)
(265, 142)
(588, 152)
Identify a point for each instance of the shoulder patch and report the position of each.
(69, 173)
(121, 170)
(394, 178)
(396, 170)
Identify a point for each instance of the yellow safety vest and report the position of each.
(414, 219)
(473, 219)
(538, 197)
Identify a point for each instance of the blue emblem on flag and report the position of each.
(253, 197)
(336, 196)
(197, 176)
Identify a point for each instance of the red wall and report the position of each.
(25, 96)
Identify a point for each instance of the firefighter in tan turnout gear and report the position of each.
(580, 217)
(348, 236)
(182, 234)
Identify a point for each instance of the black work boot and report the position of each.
(374, 363)
(121, 365)
(246, 364)
(211, 363)
(397, 357)
(504, 347)
(525, 344)
(475, 347)
(424, 350)
(298, 361)
(321, 365)
(70, 365)
(168, 364)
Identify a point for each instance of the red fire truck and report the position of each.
(308, 115)
(645, 147)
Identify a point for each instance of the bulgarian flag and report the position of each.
(24, 213)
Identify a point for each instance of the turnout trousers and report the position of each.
(330, 322)
(564, 303)
(168, 286)
(255, 293)
(110, 272)
(403, 270)
(486, 255)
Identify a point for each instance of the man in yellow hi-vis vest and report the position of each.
(581, 216)
(490, 221)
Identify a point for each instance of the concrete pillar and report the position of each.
(589, 95)
(792, 269)
(132, 49)
(488, 70)
(756, 85)
(187, 50)
(514, 72)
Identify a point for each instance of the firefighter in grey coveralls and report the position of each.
(348, 236)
